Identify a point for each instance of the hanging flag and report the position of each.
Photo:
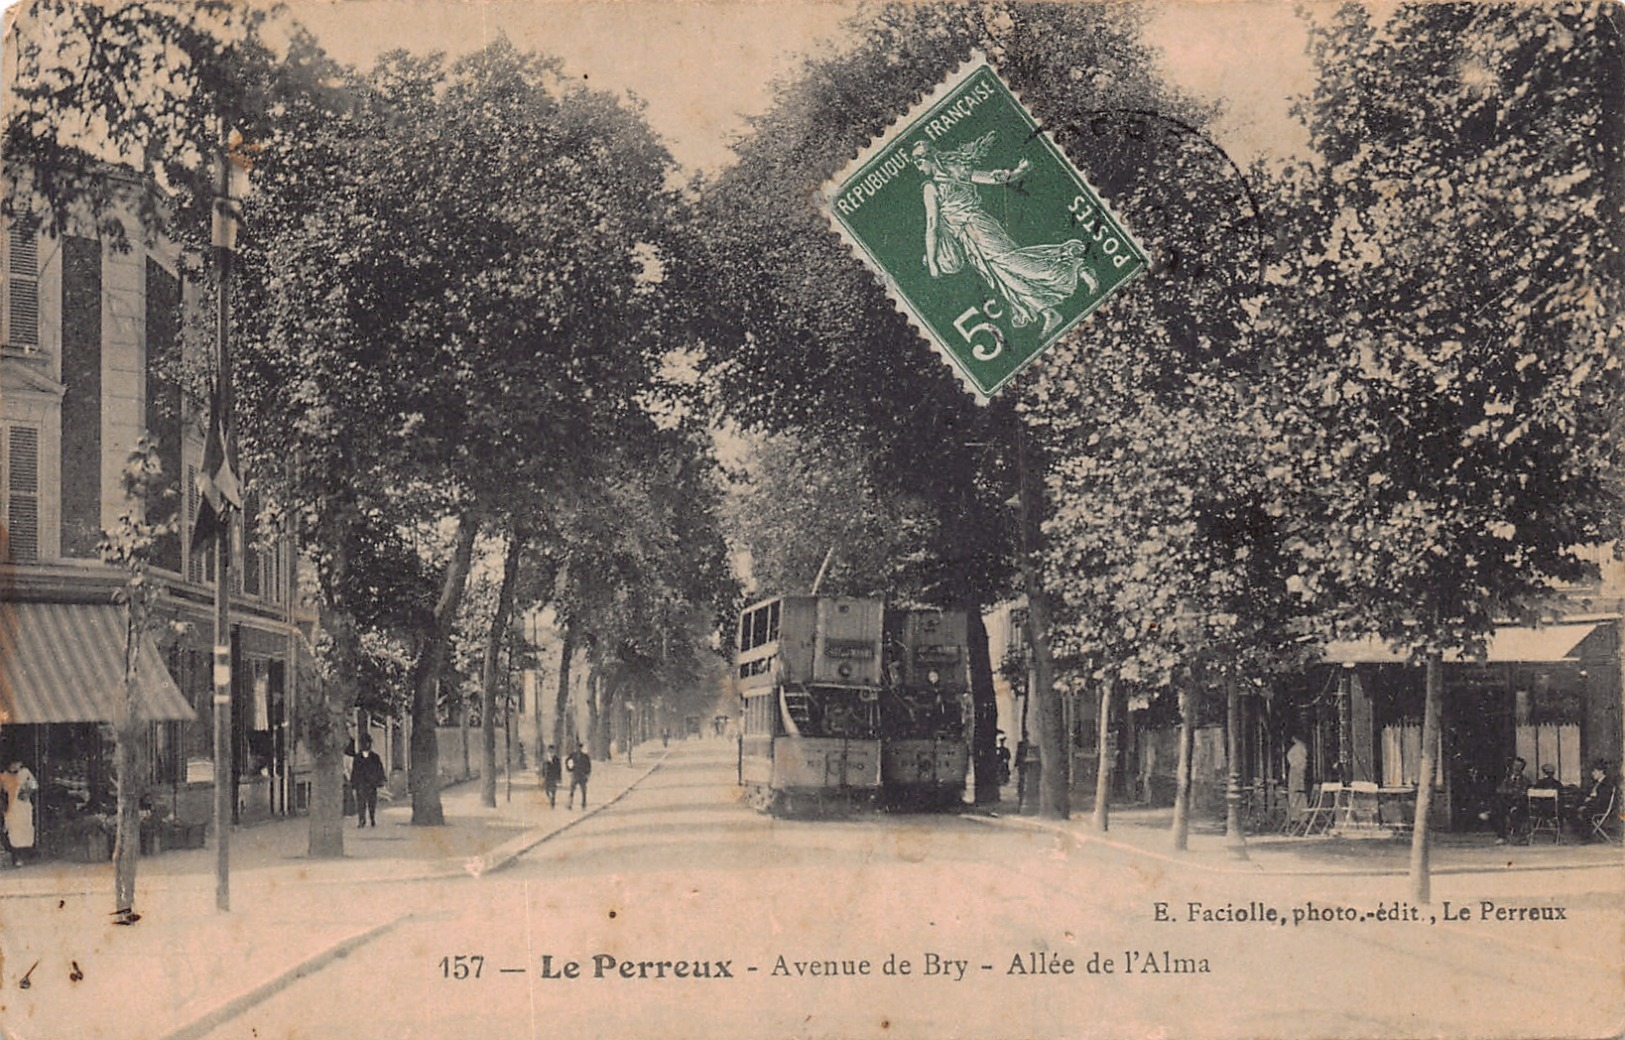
(217, 483)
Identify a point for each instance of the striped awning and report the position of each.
(64, 662)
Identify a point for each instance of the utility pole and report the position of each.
(224, 237)
(1235, 838)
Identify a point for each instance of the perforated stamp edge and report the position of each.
(830, 190)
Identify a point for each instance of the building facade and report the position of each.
(92, 358)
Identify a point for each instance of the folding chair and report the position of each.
(1544, 814)
(1601, 824)
(1361, 811)
(1323, 813)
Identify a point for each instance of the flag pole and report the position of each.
(225, 767)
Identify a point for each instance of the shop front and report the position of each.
(1548, 695)
(61, 686)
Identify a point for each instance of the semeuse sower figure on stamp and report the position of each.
(1032, 280)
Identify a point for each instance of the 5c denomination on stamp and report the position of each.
(982, 230)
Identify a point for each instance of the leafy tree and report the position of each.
(809, 343)
(131, 545)
(799, 502)
(643, 570)
(477, 240)
(1460, 286)
(150, 86)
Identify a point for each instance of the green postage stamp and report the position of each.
(980, 228)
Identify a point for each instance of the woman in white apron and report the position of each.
(19, 786)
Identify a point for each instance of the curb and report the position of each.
(1252, 868)
(487, 862)
(496, 859)
(223, 1013)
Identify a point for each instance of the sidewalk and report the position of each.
(185, 966)
(1147, 832)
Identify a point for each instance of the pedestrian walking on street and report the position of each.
(551, 775)
(579, 764)
(367, 777)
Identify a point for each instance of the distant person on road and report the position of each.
(579, 764)
(367, 777)
(18, 786)
(551, 774)
(665, 738)
(1003, 756)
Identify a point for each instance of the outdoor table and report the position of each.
(1396, 806)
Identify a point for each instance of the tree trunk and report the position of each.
(488, 690)
(1421, 880)
(424, 776)
(326, 717)
(563, 742)
(129, 738)
(326, 792)
(1054, 784)
(597, 728)
(1103, 766)
(1182, 774)
(462, 734)
(984, 706)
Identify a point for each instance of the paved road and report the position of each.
(678, 912)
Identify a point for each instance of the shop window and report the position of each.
(1402, 755)
(168, 753)
(1551, 744)
(195, 679)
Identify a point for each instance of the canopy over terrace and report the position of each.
(1549, 644)
(64, 662)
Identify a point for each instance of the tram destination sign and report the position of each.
(982, 231)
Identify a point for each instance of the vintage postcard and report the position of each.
(943, 518)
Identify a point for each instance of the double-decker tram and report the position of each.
(810, 674)
(847, 703)
(923, 751)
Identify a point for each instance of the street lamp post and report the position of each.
(1188, 623)
(1235, 841)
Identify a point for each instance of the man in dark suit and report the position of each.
(367, 776)
(1600, 799)
(579, 765)
(1509, 806)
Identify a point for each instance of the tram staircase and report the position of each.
(797, 710)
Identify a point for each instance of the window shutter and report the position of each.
(22, 288)
(22, 493)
